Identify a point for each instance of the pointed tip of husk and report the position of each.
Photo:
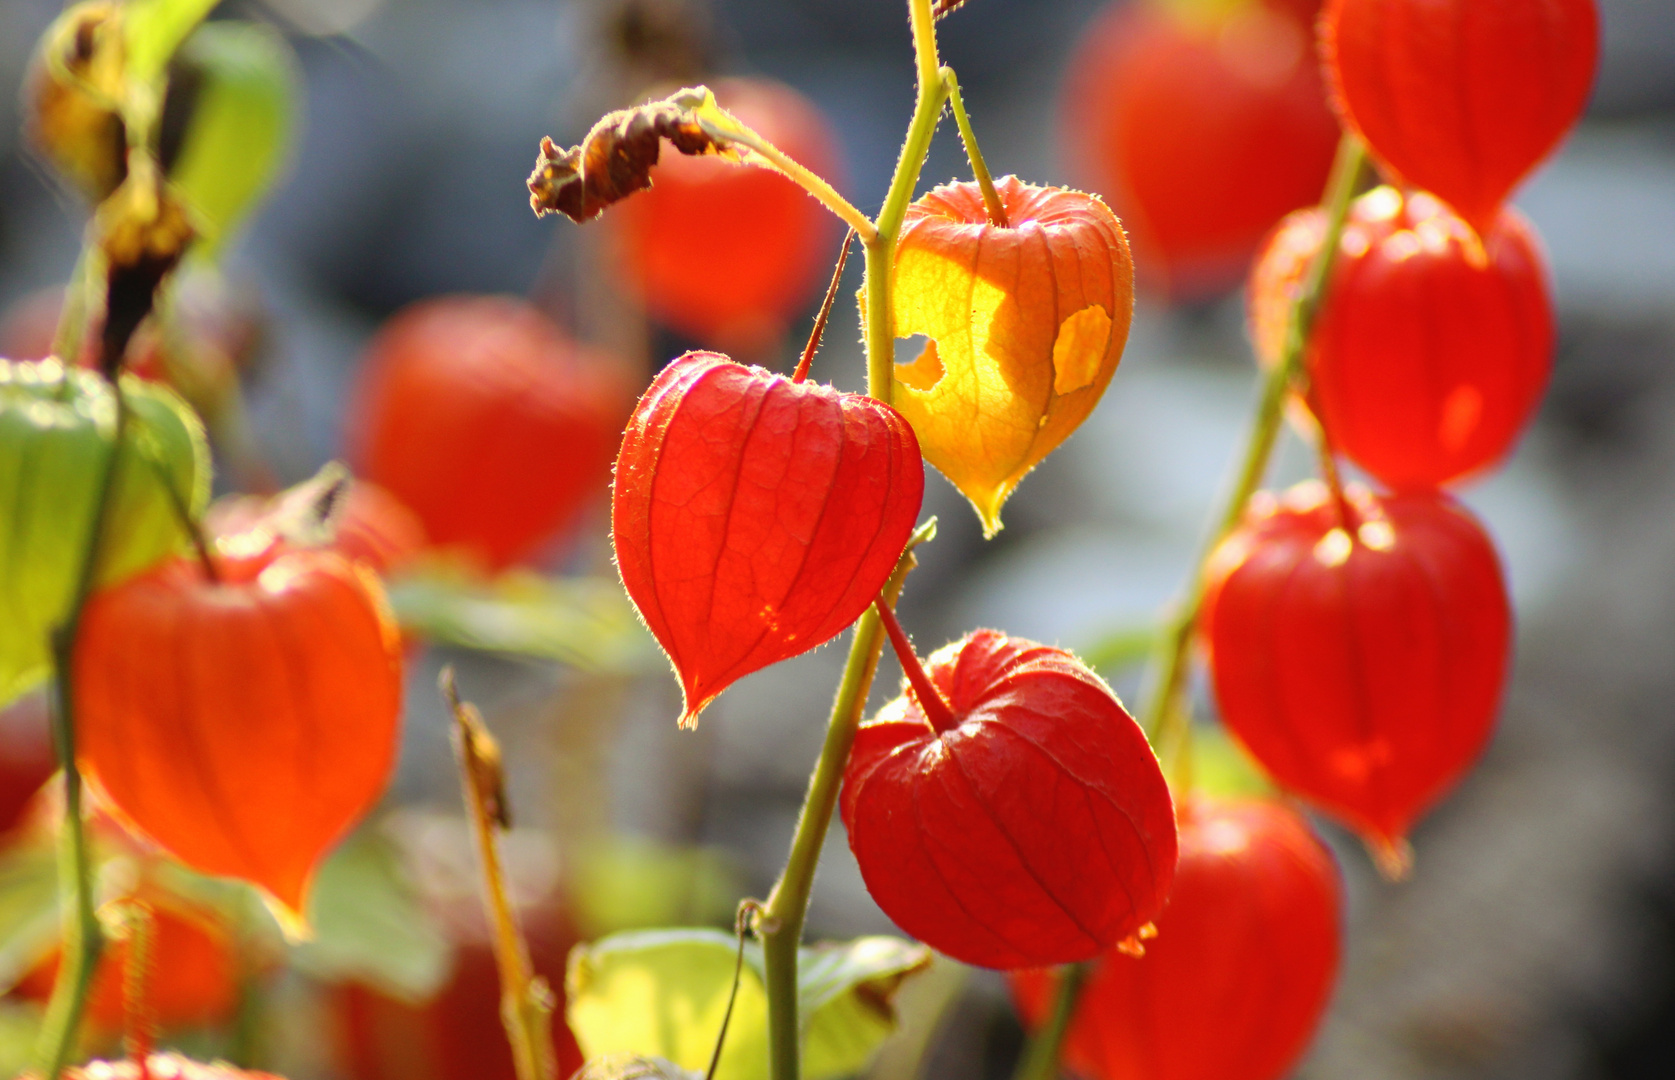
(289, 907)
(1392, 856)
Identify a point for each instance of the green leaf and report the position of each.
(20, 1025)
(585, 622)
(28, 909)
(663, 993)
(847, 992)
(633, 883)
(370, 924)
(154, 29)
(239, 133)
(1120, 648)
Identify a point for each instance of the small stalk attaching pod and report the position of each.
(938, 712)
(819, 330)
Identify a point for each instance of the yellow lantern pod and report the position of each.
(1026, 323)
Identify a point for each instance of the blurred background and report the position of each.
(1537, 936)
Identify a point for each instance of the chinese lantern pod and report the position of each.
(1361, 661)
(725, 253)
(1026, 323)
(1434, 345)
(243, 725)
(1038, 830)
(1202, 132)
(1461, 97)
(57, 431)
(487, 422)
(1237, 979)
(755, 518)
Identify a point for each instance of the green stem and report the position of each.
(1041, 1057)
(84, 941)
(1167, 707)
(781, 924)
(72, 311)
(979, 167)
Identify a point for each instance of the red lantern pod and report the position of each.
(1433, 347)
(1029, 826)
(478, 414)
(1461, 97)
(755, 518)
(1241, 971)
(243, 725)
(1361, 661)
(1202, 132)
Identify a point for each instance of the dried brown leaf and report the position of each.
(616, 158)
(945, 7)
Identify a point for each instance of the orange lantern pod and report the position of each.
(1026, 322)
(730, 254)
(243, 724)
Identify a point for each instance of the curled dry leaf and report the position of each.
(1023, 823)
(143, 234)
(755, 518)
(71, 97)
(243, 724)
(1026, 325)
(1359, 648)
(615, 159)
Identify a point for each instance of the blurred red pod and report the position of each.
(483, 418)
(458, 1034)
(1201, 132)
(754, 517)
(1433, 347)
(1461, 97)
(1019, 821)
(27, 759)
(192, 979)
(243, 724)
(1242, 968)
(729, 255)
(1359, 649)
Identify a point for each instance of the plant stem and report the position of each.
(781, 923)
(881, 249)
(938, 712)
(84, 940)
(1041, 1056)
(979, 167)
(1166, 706)
(526, 1003)
(810, 181)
